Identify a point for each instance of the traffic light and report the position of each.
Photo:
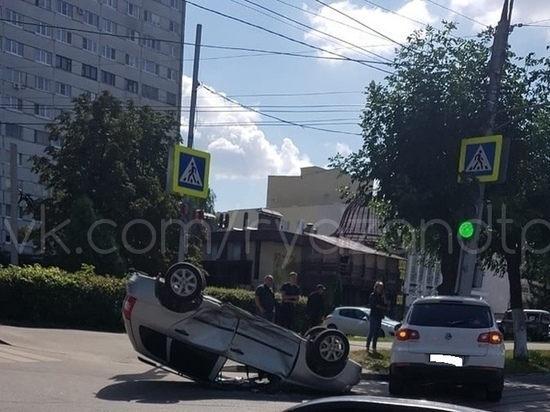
(466, 229)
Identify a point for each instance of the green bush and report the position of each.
(53, 297)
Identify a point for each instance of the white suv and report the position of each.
(451, 339)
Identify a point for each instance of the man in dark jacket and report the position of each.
(377, 303)
(316, 306)
(265, 299)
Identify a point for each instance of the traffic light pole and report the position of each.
(468, 252)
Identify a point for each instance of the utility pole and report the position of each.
(190, 134)
(182, 49)
(468, 252)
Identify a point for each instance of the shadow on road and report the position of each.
(152, 387)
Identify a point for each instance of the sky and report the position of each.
(282, 81)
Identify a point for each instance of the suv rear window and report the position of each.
(453, 315)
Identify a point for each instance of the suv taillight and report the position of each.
(129, 303)
(407, 334)
(490, 337)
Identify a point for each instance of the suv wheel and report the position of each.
(494, 396)
(396, 387)
(184, 281)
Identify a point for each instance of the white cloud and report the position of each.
(343, 149)
(391, 25)
(239, 148)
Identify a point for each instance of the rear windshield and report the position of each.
(451, 315)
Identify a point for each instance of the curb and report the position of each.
(365, 375)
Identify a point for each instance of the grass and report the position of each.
(539, 362)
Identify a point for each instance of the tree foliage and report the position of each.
(412, 127)
(107, 163)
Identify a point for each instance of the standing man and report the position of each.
(377, 303)
(265, 299)
(316, 306)
(290, 293)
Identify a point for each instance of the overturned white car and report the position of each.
(170, 321)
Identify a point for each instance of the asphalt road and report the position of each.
(66, 370)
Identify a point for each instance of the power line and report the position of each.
(285, 37)
(318, 31)
(296, 94)
(359, 22)
(456, 12)
(277, 118)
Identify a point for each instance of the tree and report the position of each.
(109, 159)
(412, 128)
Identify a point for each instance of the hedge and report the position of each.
(52, 297)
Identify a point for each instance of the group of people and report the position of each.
(267, 308)
(284, 314)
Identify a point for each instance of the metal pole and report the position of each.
(467, 264)
(180, 82)
(14, 205)
(195, 86)
(182, 250)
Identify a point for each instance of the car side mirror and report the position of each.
(396, 327)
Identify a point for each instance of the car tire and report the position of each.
(327, 354)
(184, 281)
(494, 396)
(396, 386)
(312, 333)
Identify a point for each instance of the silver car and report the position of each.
(354, 320)
(170, 321)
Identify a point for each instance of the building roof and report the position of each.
(351, 245)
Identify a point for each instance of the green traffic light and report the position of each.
(466, 229)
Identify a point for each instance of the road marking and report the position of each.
(10, 354)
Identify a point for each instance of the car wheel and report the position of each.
(332, 326)
(328, 353)
(312, 333)
(184, 281)
(494, 396)
(396, 386)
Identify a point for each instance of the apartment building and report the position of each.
(54, 50)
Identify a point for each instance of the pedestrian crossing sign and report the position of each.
(482, 158)
(190, 172)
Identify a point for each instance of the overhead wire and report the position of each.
(456, 12)
(323, 34)
(284, 36)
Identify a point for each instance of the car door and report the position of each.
(362, 323)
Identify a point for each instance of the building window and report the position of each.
(150, 67)
(63, 63)
(151, 17)
(172, 50)
(14, 47)
(89, 72)
(63, 36)
(89, 45)
(151, 43)
(40, 137)
(110, 3)
(44, 4)
(132, 35)
(43, 56)
(150, 92)
(131, 61)
(174, 27)
(63, 89)
(41, 83)
(41, 110)
(107, 77)
(14, 18)
(43, 30)
(108, 52)
(171, 73)
(174, 4)
(15, 76)
(13, 103)
(131, 85)
(108, 26)
(134, 10)
(91, 19)
(65, 8)
(14, 130)
(171, 98)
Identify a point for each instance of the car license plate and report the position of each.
(449, 359)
